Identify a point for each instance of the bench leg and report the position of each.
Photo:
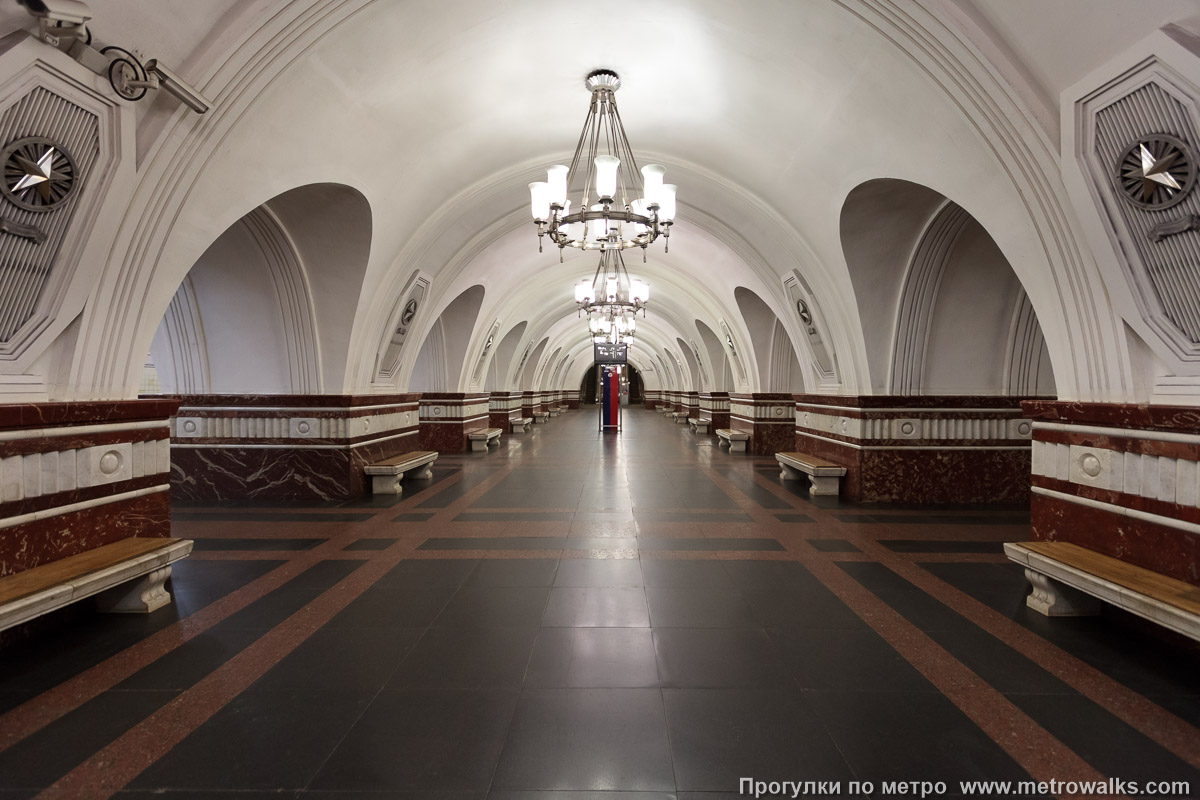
(140, 596)
(824, 485)
(789, 473)
(737, 447)
(1055, 599)
(385, 484)
(722, 442)
(478, 446)
(702, 428)
(420, 473)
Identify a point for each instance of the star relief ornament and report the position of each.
(1156, 172)
(39, 175)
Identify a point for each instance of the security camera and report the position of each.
(168, 80)
(62, 12)
(61, 23)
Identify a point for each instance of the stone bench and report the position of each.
(520, 425)
(1071, 581)
(735, 439)
(386, 475)
(698, 425)
(825, 476)
(679, 417)
(127, 577)
(554, 411)
(540, 417)
(663, 409)
(483, 438)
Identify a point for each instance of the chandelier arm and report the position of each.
(587, 123)
(596, 278)
(635, 176)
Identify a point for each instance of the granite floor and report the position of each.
(628, 616)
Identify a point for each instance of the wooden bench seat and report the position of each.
(387, 474)
(735, 439)
(484, 438)
(825, 476)
(1070, 581)
(520, 425)
(698, 425)
(127, 575)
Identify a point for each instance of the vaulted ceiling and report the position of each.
(767, 115)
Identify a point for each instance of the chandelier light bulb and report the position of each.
(556, 177)
(636, 228)
(652, 180)
(598, 228)
(539, 194)
(666, 204)
(639, 291)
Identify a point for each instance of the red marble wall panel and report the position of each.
(1160, 548)
(25, 543)
(42, 541)
(955, 466)
(945, 476)
(1137, 416)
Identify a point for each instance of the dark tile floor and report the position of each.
(632, 617)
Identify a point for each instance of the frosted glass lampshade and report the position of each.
(606, 176)
(556, 178)
(583, 292)
(640, 291)
(666, 203)
(652, 180)
(539, 195)
(612, 287)
(636, 229)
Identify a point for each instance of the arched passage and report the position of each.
(943, 311)
(269, 306)
(442, 358)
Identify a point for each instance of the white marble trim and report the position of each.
(1124, 433)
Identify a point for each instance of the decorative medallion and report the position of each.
(1156, 172)
(39, 175)
(410, 311)
(805, 314)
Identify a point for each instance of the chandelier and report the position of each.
(616, 330)
(629, 207)
(611, 300)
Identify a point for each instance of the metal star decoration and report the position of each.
(1157, 171)
(38, 174)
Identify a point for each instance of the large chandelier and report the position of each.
(619, 206)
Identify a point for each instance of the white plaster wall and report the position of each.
(970, 320)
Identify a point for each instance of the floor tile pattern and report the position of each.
(580, 616)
